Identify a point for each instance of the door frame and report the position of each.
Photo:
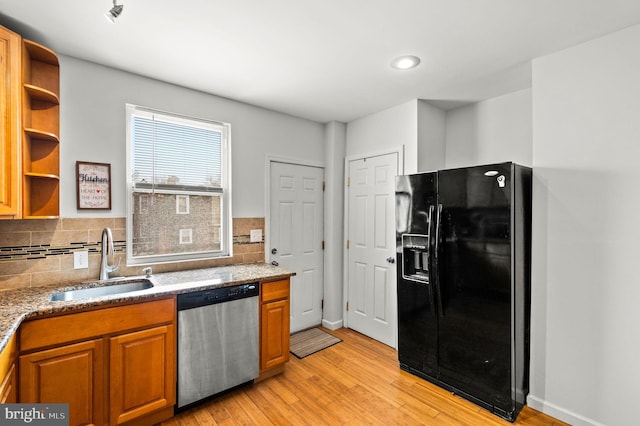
(399, 150)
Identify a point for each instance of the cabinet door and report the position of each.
(10, 127)
(8, 387)
(275, 333)
(8, 371)
(142, 377)
(70, 374)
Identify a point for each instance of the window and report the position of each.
(178, 201)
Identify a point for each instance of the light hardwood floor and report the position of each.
(356, 382)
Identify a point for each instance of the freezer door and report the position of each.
(473, 285)
(417, 329)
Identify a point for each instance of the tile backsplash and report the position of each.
(40, 252)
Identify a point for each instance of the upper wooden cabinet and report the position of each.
(29, 138)
(10, 128)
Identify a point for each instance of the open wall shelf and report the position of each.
(42, 196)
(41, 130)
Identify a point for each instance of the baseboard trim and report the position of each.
(560, 413)
(332, 325)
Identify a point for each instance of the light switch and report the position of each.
(255, 236)
(80, 259)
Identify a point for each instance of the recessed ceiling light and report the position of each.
(405, 62)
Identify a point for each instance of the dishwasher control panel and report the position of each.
(216, 295)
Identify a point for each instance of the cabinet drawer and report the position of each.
(274, 290)
(81, 326)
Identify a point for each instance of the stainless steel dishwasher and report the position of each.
(217, 341)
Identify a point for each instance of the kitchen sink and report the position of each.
(108, 289)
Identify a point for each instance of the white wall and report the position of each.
(585, 365)
(335, 141)
(389, 129)
(432, 131)
(493, 131)
(92, 125)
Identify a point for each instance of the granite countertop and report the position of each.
(30, 303)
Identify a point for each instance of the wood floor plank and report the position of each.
(355, 382)
(381, 409)
(220, 414)
(186, 418)
(282, 391)
(204, 417)
(274, 412)
(304, 409)
(316, 394)
(244, 410)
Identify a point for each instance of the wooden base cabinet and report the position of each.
(139, 383)
(274, 326)
(113, 366)
(8, 387)
(70, 374)
(8, 377)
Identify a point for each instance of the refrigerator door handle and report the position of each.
(430, 273)
(436, 262)
(429, 229)
(438, 228)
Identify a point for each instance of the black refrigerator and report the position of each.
(463, 239)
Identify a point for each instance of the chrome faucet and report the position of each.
(107, 249)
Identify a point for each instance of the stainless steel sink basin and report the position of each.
(108, 289)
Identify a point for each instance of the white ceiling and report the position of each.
(323, 60)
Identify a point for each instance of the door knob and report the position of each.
(274, 250)
(274, 263)
(390, 259)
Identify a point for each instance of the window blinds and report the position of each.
(176, 154)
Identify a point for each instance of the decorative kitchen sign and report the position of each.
(94, 185)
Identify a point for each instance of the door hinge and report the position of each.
(347, 244)
(322, 304)
(349, 181)
(347, 306)
(324, 186)
(322, 244)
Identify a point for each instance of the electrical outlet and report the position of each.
(80, 259)
(255, 236)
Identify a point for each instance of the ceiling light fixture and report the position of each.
(405, 62)
(114, 12)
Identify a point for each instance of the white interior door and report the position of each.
(296, 234)
(371, 306)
